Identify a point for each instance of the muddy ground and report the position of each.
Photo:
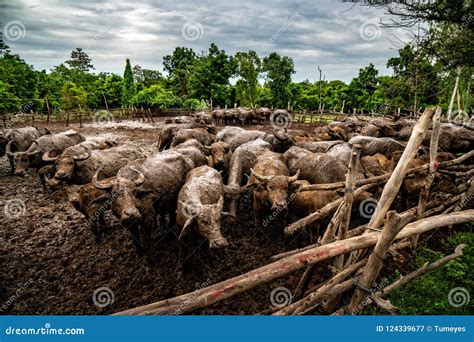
(51, 264)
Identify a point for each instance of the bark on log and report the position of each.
(310, 300)
(433, 168)
(392, 187)
(393, 224)
(231, 287)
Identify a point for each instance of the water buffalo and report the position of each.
(269, 181)
(371, 145)
(32, 157)
(221, 154)
(75, 168)
(194, 153)
(317, 168)
(144, 188)
(18, 140)
(200, 204)
(241, 161)
(92, 203)
(168, 131)
(236, 136)
(200, 134)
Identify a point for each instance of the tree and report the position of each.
(19, 82)
(210, 76)
(248, 68)
(409, 13)
(80, 61)
(156, 96)
(278, 71)
(128, 90)
(178, 66)
(73, 96)
(415, 78)
(146, 77)
(362, 87)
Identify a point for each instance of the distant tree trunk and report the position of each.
(456, 85)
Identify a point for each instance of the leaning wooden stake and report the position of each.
(231, 287)
(393, 225)
(392, 187)
(433, 168)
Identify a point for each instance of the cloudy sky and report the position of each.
(338, 36)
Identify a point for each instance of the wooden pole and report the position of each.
(49, 111)
(432, 170)
(231, 287)
(392, 187)
(453, 96)
(105, 99)
(393, 225)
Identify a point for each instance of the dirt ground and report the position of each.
(51, 264)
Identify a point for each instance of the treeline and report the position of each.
(199, 80)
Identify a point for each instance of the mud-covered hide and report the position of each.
(371, 145)
(108, 161)
(317, 168)
(200, 204)
(236, 136)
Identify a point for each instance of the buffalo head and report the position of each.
(276, 188)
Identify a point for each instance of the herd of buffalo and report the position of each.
(201, 167)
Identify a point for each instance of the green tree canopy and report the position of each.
(129, 89)
(278, 71)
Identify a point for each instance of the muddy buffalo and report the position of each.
(144, 188)
(269, 181)
(200, 204)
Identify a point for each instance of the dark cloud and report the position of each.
(340, 37)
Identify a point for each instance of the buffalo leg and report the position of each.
(134, 230)
(12, 164)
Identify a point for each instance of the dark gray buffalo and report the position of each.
(144, 188)
(32, 157)
(72, 168)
